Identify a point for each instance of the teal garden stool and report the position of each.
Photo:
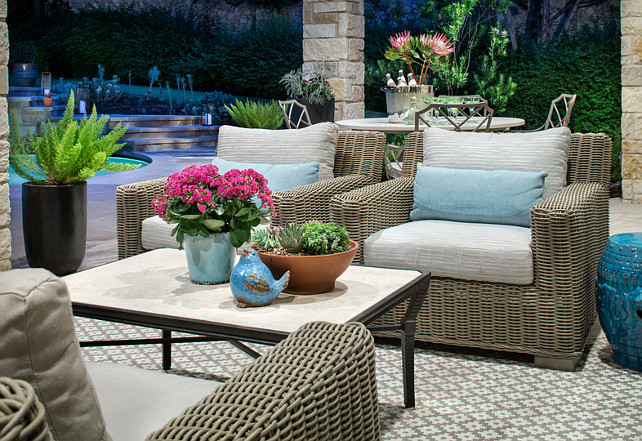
(619, 297)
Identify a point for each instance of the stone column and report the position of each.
(631, 11)
(333, 38)
(5, 210)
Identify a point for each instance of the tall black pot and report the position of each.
(318, 112)
(54, 225)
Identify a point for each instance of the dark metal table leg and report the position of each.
(167, 350)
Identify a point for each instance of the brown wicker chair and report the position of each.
(549, 318)
(358, 162)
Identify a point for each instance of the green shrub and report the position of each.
(256, 115)
(324, 238)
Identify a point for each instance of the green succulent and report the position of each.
(291, 238)
(265, 240)
(324, 238)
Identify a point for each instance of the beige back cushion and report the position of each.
(537, 151)
(316, 143)
(38, 344)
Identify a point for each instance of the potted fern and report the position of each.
(255, 115)
(57, 163)
(315, 253)
(313, 91)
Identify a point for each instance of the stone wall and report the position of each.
(632, 101)
(230, 14)
(5, 209)
(335, 30)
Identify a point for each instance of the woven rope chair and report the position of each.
(22, 415)
(288, 108)
(557, 116)
(357, 162)
(458, 115)
(549, 318)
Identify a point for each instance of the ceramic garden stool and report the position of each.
(619, 297)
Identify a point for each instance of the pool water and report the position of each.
(14, 179)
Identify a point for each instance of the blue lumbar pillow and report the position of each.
(279, 176)
(492, 197)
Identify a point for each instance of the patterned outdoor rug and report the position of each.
(461, 394)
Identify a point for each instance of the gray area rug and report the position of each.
(461, 394)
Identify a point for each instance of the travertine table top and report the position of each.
(157, 282)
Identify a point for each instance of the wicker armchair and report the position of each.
(358, 162)
(549, 318)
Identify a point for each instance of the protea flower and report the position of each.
(440, 44)
(400, 39)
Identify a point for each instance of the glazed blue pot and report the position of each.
(619, 297)
(209, 259)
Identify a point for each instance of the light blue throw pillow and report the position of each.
(279, 176)
(492, 197)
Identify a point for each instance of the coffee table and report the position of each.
(153, 290)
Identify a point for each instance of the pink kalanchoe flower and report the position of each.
(441, 45)
(400, 39)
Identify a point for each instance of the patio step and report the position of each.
(154, 120)
(181, 131)
(158, 144)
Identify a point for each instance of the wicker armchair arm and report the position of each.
(133, 205)
(367, 210)
(310, 202)
(568, 233)
(319, 383)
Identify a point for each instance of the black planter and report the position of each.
(54, 225)
(318, 112)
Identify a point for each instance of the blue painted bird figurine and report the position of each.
(252, 282)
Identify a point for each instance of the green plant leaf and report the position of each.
(213, 224)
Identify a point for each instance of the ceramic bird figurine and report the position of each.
(252, 282)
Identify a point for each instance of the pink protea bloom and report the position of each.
(441, 45)
(400, 39)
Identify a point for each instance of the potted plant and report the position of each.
(255, 115)
(213, 214)
(315, 253)
(47, 100)
(25, 69)
(313, 91)
(57, 163)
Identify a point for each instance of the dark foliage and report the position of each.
(249, 62)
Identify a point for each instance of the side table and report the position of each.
(619, 297)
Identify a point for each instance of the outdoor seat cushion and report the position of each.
(136, 402)
(531, 152)
(38, 344)
(459, 250)
(316, 143)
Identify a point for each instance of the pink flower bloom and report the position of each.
(400, 39)
(441, 45)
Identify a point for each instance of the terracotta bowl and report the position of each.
(310, 274)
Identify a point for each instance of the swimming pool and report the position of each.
(14, 179)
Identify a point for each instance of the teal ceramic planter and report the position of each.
(209, 259)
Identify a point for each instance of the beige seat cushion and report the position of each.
(316, 143)
(533, 152)
(136, 402)
(459, 250)
(156, 233)
(38, 344)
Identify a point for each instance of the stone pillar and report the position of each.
(5, 210)
(631, 11)
(333, 39)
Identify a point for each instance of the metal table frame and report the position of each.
(415, 292)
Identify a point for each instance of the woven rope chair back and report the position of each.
(360, 153)
(589, 157)
(559, 114)
(458, 115)
(302, 119)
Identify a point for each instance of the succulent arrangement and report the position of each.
(309, 239)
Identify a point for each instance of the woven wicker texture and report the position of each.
(358, 162)
(319, 383)
(549, 318)
(22, 415)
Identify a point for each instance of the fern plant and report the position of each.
(256, 115)
(67, 152)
